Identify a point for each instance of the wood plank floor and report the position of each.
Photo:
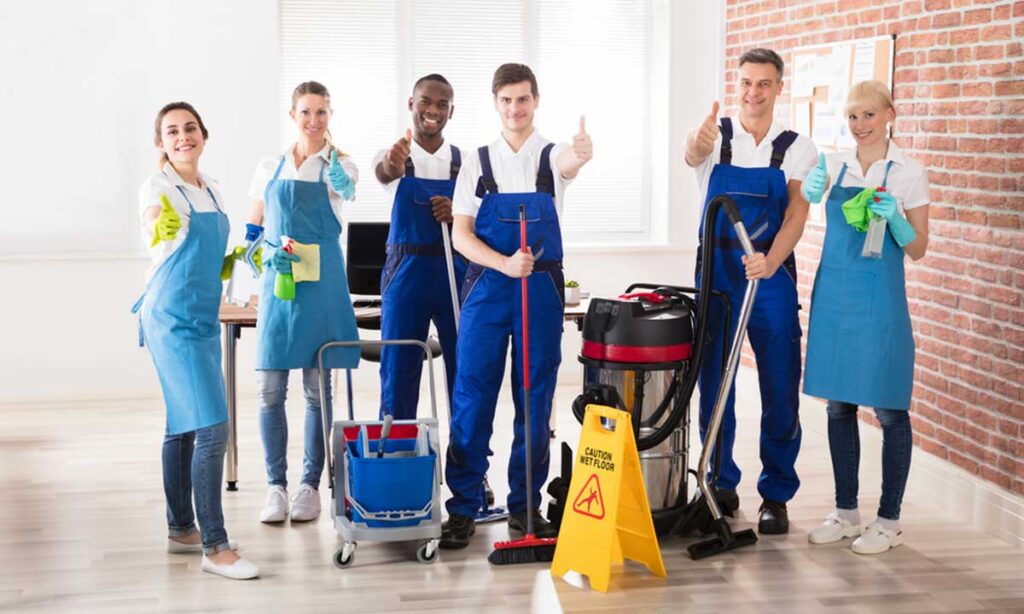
(82, 530)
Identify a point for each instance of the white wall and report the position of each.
(89, 80)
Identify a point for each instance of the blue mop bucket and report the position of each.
(394, 491)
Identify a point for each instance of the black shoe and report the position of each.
(541, 527)
(488, 494)
(774, 518)
(456, 531)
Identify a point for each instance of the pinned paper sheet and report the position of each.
(308, 266)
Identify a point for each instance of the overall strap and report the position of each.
(888, 167)
(277, 172)
(780, 145)
(725, 151)
(410, 169)
(486, 183)
(456, 162)
(545, 178)
(842, 174)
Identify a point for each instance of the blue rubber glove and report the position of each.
(253, 232)
(340, 180)
(813, 188)
(282, 261)
(885, 205)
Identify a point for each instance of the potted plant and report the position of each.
(572, 292)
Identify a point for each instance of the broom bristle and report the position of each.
(529, 549)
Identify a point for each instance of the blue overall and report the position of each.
(761, 194)
(491, 315)
(289, 333)
(415, 290)
(179, 322)
(860, 345)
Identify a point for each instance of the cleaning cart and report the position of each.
(384, 475)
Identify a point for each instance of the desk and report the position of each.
(236, 318)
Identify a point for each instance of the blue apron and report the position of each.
(860, 345)
(179, 322)
(289, 333)
(415, 290)
(761, 195)
(491, 316)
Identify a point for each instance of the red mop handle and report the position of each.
(526, 311)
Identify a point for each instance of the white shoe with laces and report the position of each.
(876, 540)
(834, 528)
(306, 504)
(239, 570)
(276, 507)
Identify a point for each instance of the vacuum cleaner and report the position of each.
(642, 353)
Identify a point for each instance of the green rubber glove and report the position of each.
(167, 223)
(228, 265)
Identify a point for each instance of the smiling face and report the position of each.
(760, 85)
(868, 123)
(181, 137)
(431, 106)
(311, 114)
(516, 105)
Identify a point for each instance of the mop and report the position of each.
(529, 548)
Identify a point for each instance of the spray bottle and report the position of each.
(284, 283)
(875, 239)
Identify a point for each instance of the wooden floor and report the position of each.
(82, 530)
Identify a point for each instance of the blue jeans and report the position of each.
(274, 425)
(194, 464)
(844, 442)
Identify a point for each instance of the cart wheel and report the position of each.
(427, 553)
(344, 556)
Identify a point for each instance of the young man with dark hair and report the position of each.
(519, 169)
(761, 166)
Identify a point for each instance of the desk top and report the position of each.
(246, 316)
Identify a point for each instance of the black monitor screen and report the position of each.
(367, 251)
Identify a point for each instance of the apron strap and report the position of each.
(456, 162)
(842, 174)
(888, 167)
(191, 209)
(322, 167)
(545, 178)
(486, 184)
(725, 151)
(277, 172)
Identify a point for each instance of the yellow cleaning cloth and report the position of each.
(308, 266)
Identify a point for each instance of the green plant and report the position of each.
(572, 284)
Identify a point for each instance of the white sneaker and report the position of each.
(306, 504)
(276, 507)
(876, 540)
(833, 529)
(174, 547)
(239, 570)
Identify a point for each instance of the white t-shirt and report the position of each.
(426, 165)
(166, 182)
(309, 170)
(908, 178)
(513, 172)
(801, 156)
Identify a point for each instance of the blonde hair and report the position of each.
(873, 94)
(317, 89)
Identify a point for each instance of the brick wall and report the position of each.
(959, 89)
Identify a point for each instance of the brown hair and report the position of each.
(509, 74)
(317, 89)
(760, 55)
(175, 106)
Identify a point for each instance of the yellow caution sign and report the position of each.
(610, 518)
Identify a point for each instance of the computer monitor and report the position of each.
(367, 251)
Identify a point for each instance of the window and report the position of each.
(591, 58)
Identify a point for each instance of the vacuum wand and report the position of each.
(450, 261)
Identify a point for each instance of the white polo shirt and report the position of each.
(426, 165)
(800, 158)
(514, 171)
(309, 170)
(908, 178)
(165, 183)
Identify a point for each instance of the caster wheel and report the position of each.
(344, 556)
(427, 553)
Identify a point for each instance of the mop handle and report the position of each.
(526, 376)
(450, 263)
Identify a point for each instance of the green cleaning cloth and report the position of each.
(857, 210)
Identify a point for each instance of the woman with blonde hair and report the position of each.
(304, 300)
(860, 345)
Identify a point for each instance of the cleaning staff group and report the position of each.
(859, 312)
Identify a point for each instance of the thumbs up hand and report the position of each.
(582, 146)
(395, 159)
(168, 223)
(813, 188)
(707, 133)
(339, 179)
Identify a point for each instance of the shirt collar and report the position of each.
(324, 153)
(443, 152)
(176, 179)
(773, 131)
(894, 154)
(532, 142)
